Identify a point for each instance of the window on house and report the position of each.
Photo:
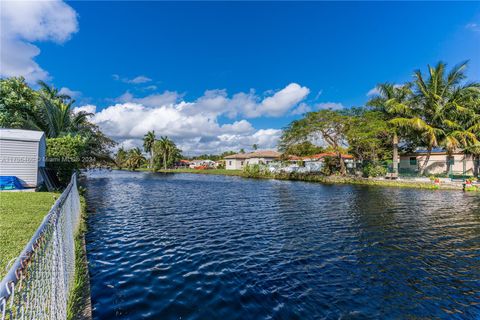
(241, 163)
(229, 163)
(413, 161)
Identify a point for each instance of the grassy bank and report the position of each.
(79, 305)
(358, 181)
(20, 215)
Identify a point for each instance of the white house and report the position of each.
(22, 154)
(237, 161)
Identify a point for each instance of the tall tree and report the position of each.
(440, 105)
(168, 151)
(369, 136)
(393, 101)
(255, 146)
(17, 104)
(121, 158)
(148, 141)
(327, 126)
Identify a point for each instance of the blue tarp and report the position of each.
(10, 183)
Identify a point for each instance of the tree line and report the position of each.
(163, 152)
(437, 109)
(70, 135)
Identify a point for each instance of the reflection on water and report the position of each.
(215, 247)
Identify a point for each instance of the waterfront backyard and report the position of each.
(20, 215)
(164, 246)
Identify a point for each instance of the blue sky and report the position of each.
(117, 53)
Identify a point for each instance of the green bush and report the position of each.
(64, 155)
(374, 170)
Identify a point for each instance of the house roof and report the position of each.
(20, 135)
(255, 154)
(435, 151)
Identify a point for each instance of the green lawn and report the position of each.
(20, 215)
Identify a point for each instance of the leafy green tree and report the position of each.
(255, 146)
(64, 156)
(328, 126)
(121, 158)
(148, 142)
(52, 112)
(305, 148)
(368, 136)
(17, 104)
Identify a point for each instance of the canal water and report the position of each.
(186, 246)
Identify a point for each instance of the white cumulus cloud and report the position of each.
(196, 126)
(23, 22)
(86, 108)
(153, 100)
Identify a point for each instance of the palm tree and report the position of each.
(168, 151)
(56, 118)
(53, 93)
(148, 141)
(134, 158)
(255, 146)
(393, 101)
(441, 106)
(162, 147)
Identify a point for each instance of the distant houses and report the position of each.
(202, 164)
(239, 160)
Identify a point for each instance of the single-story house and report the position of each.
(440, 162)
(22, 155)
(237, 161)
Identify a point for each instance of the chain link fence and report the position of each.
(38, 284)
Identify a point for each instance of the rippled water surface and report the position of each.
(213, 247)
